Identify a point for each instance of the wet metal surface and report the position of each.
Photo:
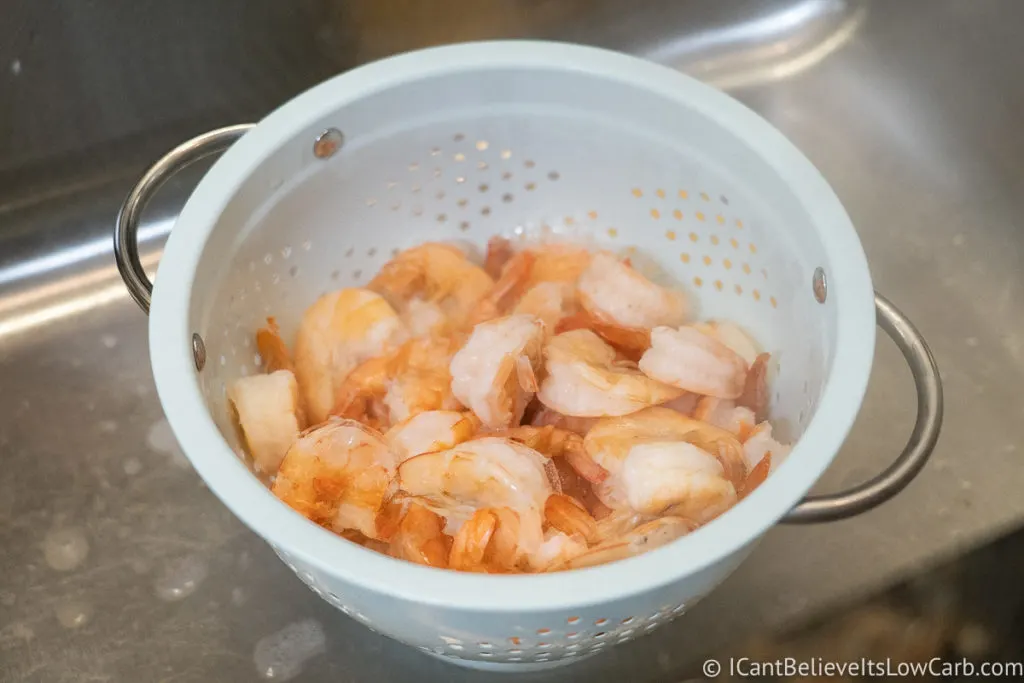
(119, 565)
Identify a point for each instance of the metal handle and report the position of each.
(126, 246)
(922, 440)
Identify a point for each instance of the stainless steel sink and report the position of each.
(118, 564)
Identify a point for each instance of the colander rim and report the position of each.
(179, 391)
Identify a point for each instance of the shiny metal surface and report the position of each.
(126, 227)
(119, 566)
(924, 437)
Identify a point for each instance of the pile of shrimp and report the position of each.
(550, 409)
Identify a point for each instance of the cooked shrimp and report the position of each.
(439, 273)
(572, 484)
(659, 461)
(269, 415)
(506, 291)
(616, 294)
(499, 252)
(272, 348)
(420, 537)
(424, 319)
(339, 331)
(631, 343)
(689, 359)
(733, 336)
(584, 379)
(552, 302)
(643, 538)
(755, 390)
(545, 417)
(432, 430)
(760, 444)
(554, 442)
(569, 516)
(388, 389)
(487, 472)
(685, 404)
(723, 413)
(557, 549)
(338, 475)
(494, 374)
(559, 262)
(756, 477)
(422, 381)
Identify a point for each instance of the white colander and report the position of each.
(519, 138)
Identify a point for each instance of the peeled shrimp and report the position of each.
(733, 336)
(614, 293)
(554, 443)
(432, 430)
(692, 360)
(339, 331)
(420, 537)
(273, 351)
(685, 404)
(269, 414)
(487, 542)
(424, 319)
(570, 517)
(545, 417)
(494, 374)
(338, 475)
(584, 379)
(559, 262)
(506, 291)
(552, 302)
(499, 252)
(660, 461)
(388, 389)
(721, 412)
(439, 273)
(643, 538)
(755, 390)
(557, 549)
(760, 443)
(487, 472)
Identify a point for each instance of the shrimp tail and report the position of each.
(470, 543)
(499, 252)
(272, 348)
(757, 476)
(507, 290)
(755, 388)
(570, 517)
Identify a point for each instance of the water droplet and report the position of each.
(65, 549)
(180, 578)
(109, 341)
(132, 466)
(238, 597)
(281, 656)
(73, 613)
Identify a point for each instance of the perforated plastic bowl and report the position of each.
(468, 141)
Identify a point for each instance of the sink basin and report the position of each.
(119, 565)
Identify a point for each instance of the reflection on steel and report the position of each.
(775, 44)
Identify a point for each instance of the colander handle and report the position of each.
(126, 229)
(922, 440)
